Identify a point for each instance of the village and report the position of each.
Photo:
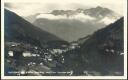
(22, 56)
(27, 59)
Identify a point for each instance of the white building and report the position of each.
(10, 53)
(35, 55)
(27, 54)
(57, 51)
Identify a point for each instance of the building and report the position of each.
(35, 55)
(10, 53)
(27, 54)
(74, 45)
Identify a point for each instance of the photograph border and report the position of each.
(63, 77)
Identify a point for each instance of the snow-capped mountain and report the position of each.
(98, 14)
(71, 25)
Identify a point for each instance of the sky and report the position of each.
(31, 7)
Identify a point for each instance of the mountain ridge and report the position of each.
(19, 29)
(100, 54)
(97, 12)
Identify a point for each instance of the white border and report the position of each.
(63, 77)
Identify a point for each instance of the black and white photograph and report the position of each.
(64, 38)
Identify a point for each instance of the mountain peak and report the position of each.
(99, 7)
(100, 12)
(102, 8)
(97, 12)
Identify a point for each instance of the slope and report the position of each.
(18, 29)
(100, 54)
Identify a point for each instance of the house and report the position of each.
(10, 53)
(36, 47)
(74, 45)
(48, 57)
(31, 63)
(121, 53)
(27, 54)
(12, 44)
(41, 63)
(57, 51)
(35, 55)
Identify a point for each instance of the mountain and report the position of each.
(71, 25)
(100, 12)
(18, 29)
(97, 12)
(112, 35)
(66, 29)
(103, 49)
(68, 13)
(100, 53)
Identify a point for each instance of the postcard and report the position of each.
(64, 39)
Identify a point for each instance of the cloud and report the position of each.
(25, 9)
(107, 20)
(29, 7)
(82, 17)
(8, 5)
